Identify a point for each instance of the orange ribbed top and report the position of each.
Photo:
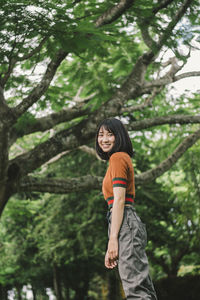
(120, 173)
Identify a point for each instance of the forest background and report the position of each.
(65, 66)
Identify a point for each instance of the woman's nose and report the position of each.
(105, 138)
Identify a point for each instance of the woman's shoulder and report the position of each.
(117, 156)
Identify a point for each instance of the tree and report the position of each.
(66, 65)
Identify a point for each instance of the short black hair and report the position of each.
(122, 139)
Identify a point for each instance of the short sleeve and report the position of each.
(119, 170)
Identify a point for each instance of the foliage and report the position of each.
(66, 65)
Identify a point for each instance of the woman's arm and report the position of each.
(116, 221)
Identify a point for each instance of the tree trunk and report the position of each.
(34, 293)
(19, 292)
(81, 293)
(57, 283)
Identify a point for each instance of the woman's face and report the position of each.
(106, 139)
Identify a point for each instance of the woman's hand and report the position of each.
(111, 257)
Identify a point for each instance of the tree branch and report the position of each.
(161, 4)
(144, 23)
(143, 61)
(114, 12)
(11, 66)
(62, 141)
(59, 186)
(140, 107)
(167, 79)
(145, 34)
(172, 119)
(177, 17)
(2, 98)
(41, 88)
(90, 151)
(132, 87)
(186, 74)
(48, 122)
(34, 51)
(164, 166)
(13, 61)
(84, 148)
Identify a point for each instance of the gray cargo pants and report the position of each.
(132, 262)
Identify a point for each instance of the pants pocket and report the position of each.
(138, 228)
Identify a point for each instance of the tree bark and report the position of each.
(57, 282)
(171, 119)
(114, 12)
(19, 292)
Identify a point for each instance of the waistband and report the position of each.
(109, 212)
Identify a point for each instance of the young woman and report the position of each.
(127, 234)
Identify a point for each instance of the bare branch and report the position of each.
(90, 151)
(186, 74)
(84, 148)
(170, 161)
(41, 88)
(169, 78)
(59, 186)
(53, 160)
(147, 103)
(173, 119)
(145, 34)
(114, 12)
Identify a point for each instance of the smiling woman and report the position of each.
(127, 234)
